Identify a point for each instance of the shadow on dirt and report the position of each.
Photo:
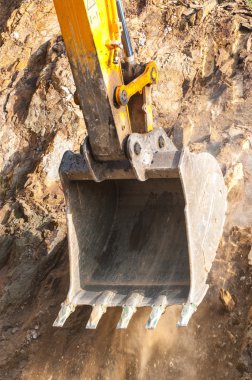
(6, 9)
(23, 161)
(27, 265)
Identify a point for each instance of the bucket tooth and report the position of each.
(67, 308)
(188, 310)
(97, 313)
(127, 313)
(155, 315)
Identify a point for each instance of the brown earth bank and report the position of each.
(203, 99)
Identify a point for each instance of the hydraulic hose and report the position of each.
(125, 33)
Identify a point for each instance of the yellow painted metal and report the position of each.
(149, 76)
(91, 31)
(92, 35)
(147, 108)
(115, 24)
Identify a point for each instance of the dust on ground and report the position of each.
(203, 99)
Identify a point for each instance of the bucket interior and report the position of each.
(131, 237)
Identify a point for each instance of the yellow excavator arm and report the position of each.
(92, 35)
(144, 219)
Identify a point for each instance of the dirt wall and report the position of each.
(203, 100)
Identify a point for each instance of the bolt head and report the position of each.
(161, 142)
(123, 97)
(137, 148)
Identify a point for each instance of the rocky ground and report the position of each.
(203, 99)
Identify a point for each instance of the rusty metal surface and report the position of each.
(148, 239)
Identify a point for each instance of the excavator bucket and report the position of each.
(144, 233)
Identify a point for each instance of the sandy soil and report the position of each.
(203, 99)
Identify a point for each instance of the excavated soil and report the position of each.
(203, 100)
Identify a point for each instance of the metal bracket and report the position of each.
(101, 171)
(153, 153)
(124, 92)
(150, 155)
